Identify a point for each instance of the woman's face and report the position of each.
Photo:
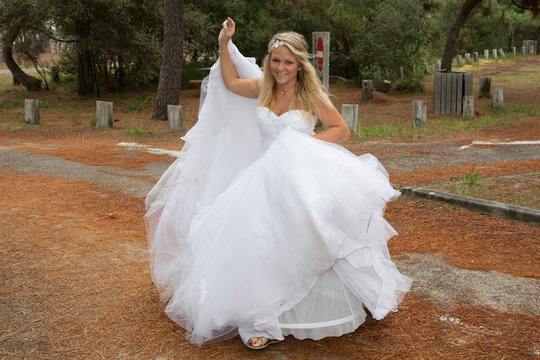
(284, 65)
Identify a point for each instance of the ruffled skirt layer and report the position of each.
(296, 244)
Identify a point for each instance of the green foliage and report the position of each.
(190, 72)
(10, 104)
(136, 104)
(463, 184)
(409, 85)
(117, 44)
(134, 131)
(76, 121)
(93, 121)
(382, 130)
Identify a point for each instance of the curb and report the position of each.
(507, 211)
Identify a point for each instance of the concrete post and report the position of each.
(468, 106)
(484, 87)
(437, 65)
(174, 114)
(414, 70)
(494, 52)
(419, 113)
(401, 72)
(31, 111)
(468, 58)
(458, 60)
(486, 54)
(349, 112)
(475, 56)
(498, 99)
(523, 50)
(367, 87)
(530, 47)
(104, 110)
(426, 68)
(514, 50)
(501, 53)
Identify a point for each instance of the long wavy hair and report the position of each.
(308, 89)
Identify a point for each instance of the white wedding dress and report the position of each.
(260, 229)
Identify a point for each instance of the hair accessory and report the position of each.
(278, 43)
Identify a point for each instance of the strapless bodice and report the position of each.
(271, 124)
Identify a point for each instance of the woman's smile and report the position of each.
(284, 66)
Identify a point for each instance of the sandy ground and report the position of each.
(75, 278)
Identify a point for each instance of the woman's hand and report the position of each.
(227, 31)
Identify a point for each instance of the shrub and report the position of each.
(409, 85)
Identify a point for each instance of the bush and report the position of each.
(384, 86)
(409, 85)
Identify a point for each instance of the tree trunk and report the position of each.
(453, 33)
(170, 75)
(85, 75)
(29, 82)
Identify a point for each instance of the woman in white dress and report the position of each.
(262, 228)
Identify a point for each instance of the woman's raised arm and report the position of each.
(244, 87)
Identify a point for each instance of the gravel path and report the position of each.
(434, 279)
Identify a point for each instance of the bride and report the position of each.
(262, 228)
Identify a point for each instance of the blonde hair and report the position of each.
(308, 89)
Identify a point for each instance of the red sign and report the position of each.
(320, 54)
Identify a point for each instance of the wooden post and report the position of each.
(437, 90)
(174, 114)
(321, 50)
(475, 56)
(104, 110)
(419, 113)
(449, 88)
(498, 100)
(401, 72)
(484, 87)
(486, 54)
(468, 107)
(367, 87)
(468, 58)
(501, 53)
(458, 60)
(31, 111)
(414, 70)
(349, 112)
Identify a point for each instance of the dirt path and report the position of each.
(75, 278)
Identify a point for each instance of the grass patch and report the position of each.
(75, 120)
(6, 80)
(136, 104)
(463, 184)
(444, 125)
(10, 104)
(382, 130)
(134, 131)
(93, 121)
(521, 189)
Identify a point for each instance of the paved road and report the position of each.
(28, 71)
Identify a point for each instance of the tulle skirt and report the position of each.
(295, 244)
